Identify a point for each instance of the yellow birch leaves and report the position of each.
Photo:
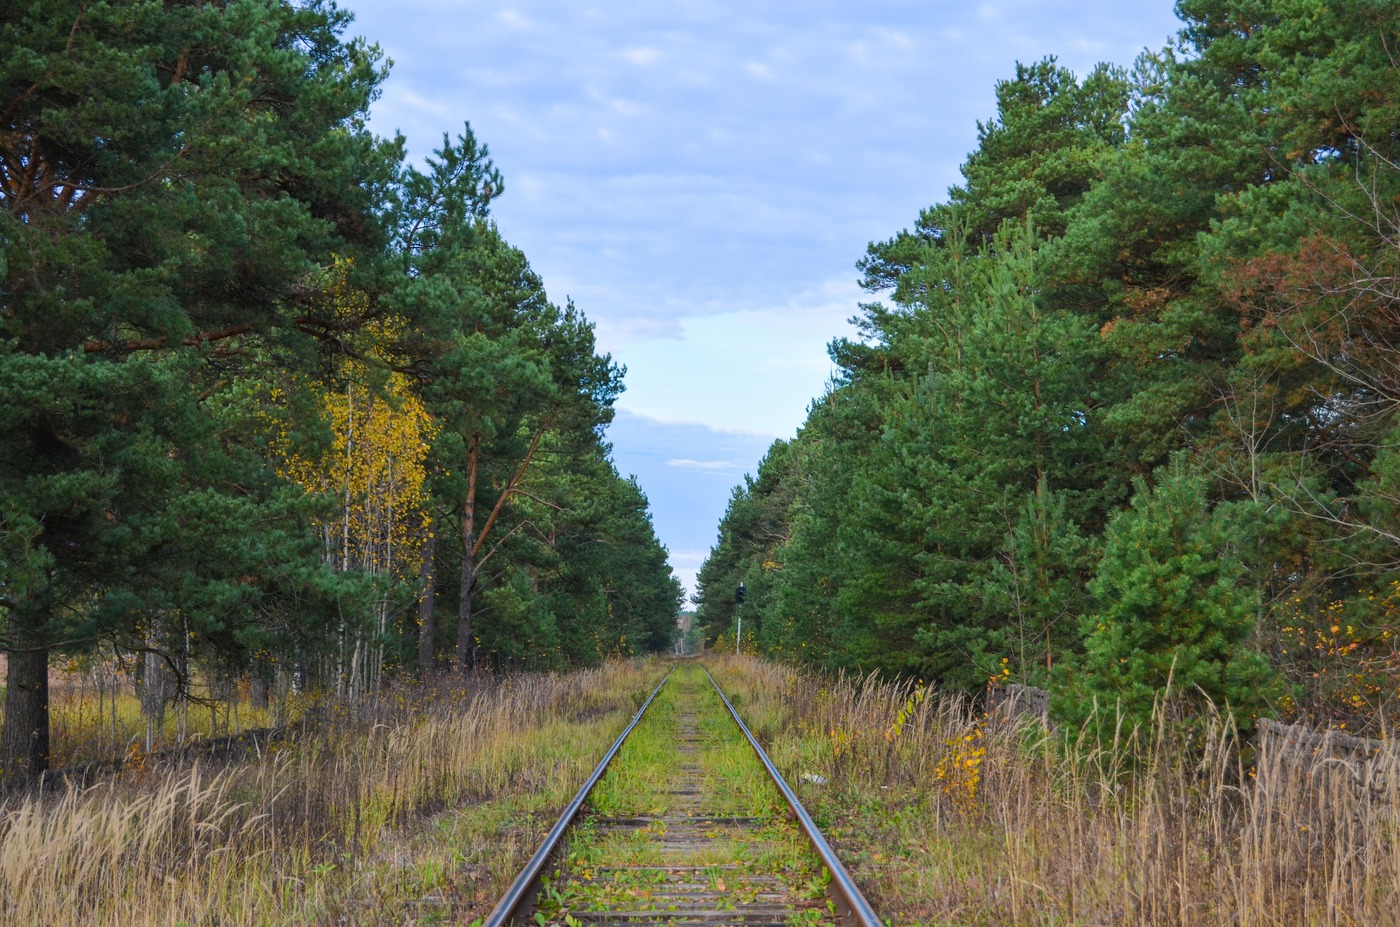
(375, 465)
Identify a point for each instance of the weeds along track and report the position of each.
(684, 822)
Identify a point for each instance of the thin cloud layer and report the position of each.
(704, 156)
(686, 463)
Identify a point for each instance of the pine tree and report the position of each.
(170, 173)
(1174, 609)
(1005, 413)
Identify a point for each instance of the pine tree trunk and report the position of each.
(465, 654)
(24, 743)
(427, 605)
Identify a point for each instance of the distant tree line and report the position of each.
(1125, 412)
(270, 395)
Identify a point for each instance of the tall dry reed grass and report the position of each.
(952, 818)
(328, 829)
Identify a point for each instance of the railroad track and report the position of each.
(685, 823)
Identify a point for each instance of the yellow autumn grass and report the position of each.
(425, 815)
(1146, 831)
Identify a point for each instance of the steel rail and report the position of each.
(525, 886)
(851, 904)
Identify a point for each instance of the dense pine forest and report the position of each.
(278, 404)
(1121, 417)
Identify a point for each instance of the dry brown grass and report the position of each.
(422, 810)
(952, 820)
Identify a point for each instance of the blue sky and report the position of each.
(700, 177)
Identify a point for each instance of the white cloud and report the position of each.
(626, 107)
(642, 56)
(620, 331)
(894, 38)
(514, 19)
(405, 97)
(670, 422)
(690, 557)
(700, 464)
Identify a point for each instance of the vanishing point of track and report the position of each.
(700, 830)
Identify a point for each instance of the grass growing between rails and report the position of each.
(420, 814)
(946, 819)
(686, 819)
(638, 781)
